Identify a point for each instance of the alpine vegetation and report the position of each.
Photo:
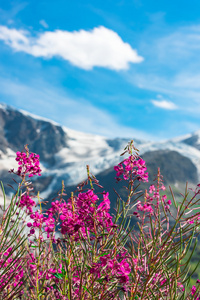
(97, 255)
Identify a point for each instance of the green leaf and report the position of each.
(100, 280)
(103, 254)
(89, 267)
(86, 290)
(40, 294)
(66, 259)
(58, 275)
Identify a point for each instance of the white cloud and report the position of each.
(100, 47)
(14, 38)
(44, 23)
(164, 104)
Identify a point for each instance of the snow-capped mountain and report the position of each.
(64, 153)
(192, 139)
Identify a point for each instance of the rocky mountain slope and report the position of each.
(65, 153)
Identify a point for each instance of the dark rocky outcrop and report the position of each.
(173, 166)
(43, 137)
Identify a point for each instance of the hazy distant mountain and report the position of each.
(192, 139)
(65, 153)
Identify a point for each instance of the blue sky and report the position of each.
(127, 68)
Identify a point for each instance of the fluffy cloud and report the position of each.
(100, 47)
(164, 104)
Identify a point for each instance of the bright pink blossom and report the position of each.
(133, 166)
(28, 164)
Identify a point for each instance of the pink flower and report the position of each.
(26, 201)
(133, 166)
(163, 281)
(28, 164)
(32, 231)
(193, 290)
(151, 189)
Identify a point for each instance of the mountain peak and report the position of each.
(191, 139)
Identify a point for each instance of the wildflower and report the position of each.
(26, 201)
(132, 167)
(193, 290)
(28, 164)
(152, 189)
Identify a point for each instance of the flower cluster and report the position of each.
(194, 291)
(112, 268)
(96, 256)
(151, 198)
(133, 167)
(49, 273)
(39, 220)
(28, 164)
(26, 201)
(7, 280)
(82, 213)
(82, 216)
